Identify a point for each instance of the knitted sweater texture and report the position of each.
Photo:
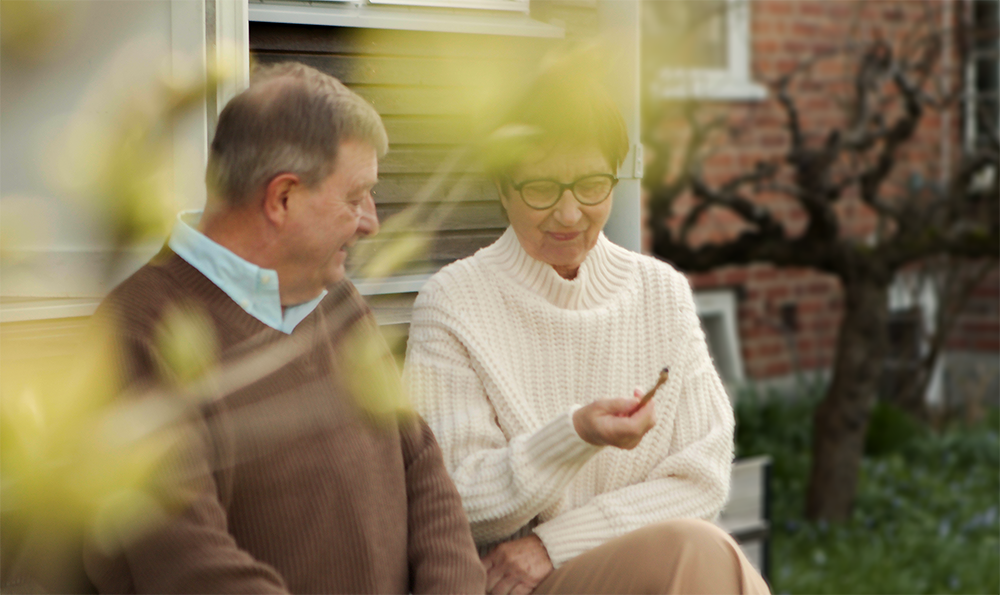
(502, 351)
(288, 485)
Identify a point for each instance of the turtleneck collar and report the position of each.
(605, 272)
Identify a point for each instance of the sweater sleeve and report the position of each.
(441, 553)
(691, 479)
(504, 483)
(191, 550)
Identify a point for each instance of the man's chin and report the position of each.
(335, 274)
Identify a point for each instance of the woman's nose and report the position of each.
(567, 211)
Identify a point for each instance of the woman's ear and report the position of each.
(501, 187)
(278, 194)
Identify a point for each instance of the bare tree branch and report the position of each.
(872, 179)
(728, 197)
(792, 113)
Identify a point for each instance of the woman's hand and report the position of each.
(615, 422)
(517, 566)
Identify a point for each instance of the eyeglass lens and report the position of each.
(544, 193)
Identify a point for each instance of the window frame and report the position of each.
(490, 17)
(733, 83)
(971, 75)
(518, 6)
(721, 304)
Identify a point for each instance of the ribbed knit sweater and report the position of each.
(290, 487)
(502, 350)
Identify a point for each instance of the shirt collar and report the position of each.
(253, 288)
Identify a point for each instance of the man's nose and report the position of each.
(368, 224)
(567, 211)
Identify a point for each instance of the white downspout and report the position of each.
(620, 27)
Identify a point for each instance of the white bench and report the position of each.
(746, 515)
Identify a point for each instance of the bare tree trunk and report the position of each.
(841, 419)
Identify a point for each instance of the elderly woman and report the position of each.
(523, 359)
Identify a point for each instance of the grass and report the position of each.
(926, 515)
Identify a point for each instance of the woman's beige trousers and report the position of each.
(681, 556)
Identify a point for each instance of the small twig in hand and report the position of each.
(659, 382)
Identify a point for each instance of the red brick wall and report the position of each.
(773, 345)
(783, 34)
(978, 327)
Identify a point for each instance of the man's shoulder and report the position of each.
(343, 300)
(136, 304)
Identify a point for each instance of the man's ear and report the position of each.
(277, 195)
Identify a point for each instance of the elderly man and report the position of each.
(290, 484)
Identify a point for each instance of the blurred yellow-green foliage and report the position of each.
(186, 345)
(371, 373)
(122, 168)
(76, 461)
(34, 31)
(73, 459)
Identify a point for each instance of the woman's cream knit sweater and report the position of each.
(502, 350)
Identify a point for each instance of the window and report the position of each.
(982, 69)
(717, 311)
(913, 306)
(698, 49)
(504, 17)
(521, 6)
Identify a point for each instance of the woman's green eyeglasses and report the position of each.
(588, 190)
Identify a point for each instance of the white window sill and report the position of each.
(400, 284)
(63, 308)
(22, 309)
(403, 18)
(717, 310)
(70, 283)
(25, 309)
(717, 86)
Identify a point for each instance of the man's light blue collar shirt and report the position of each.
(253, 288)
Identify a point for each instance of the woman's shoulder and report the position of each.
(664, 292)
(659, 275)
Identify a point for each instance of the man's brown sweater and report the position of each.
(290, 486)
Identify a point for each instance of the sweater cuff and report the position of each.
(557, 443)
(573, 533)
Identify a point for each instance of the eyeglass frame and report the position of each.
(563, 188)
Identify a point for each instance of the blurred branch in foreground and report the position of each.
(79, 462)
(34, 32)
(76, 461)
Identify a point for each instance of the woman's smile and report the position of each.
(564, 236)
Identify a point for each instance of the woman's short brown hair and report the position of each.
(291, 119)
(563, 104)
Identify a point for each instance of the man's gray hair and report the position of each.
(291, 119)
